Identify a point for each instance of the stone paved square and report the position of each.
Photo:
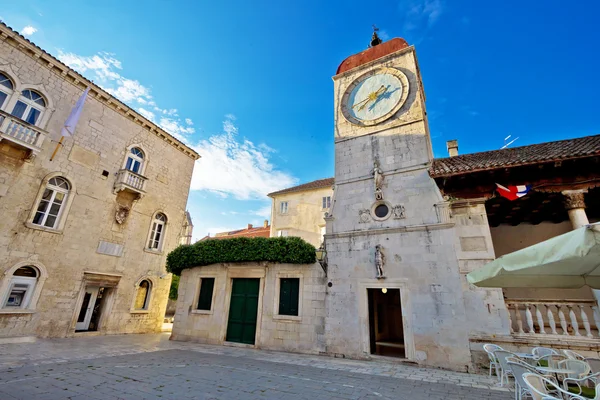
(151, 367)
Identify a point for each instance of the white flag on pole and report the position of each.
(71, 122)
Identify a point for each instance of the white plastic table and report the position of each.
(556, 371)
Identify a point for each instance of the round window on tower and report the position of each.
(381, 210)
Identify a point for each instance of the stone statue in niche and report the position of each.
(398, 211)
(364, 216)
(379, 262)
(378, 180)
(122, 213)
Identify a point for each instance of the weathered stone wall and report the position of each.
(304, 218)
(485, 307)
(100, 143)
(303, 333)
(417, 240)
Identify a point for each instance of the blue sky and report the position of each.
(248, 84)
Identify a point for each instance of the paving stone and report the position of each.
(151, 367)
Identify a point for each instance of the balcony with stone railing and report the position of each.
(130, 181)
(578, 319)
(21, 134)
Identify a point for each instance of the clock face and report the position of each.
(375, 96)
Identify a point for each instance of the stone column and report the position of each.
(575, 205)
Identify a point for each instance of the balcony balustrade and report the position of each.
(19, 132)
(128, 180)
(579, 319)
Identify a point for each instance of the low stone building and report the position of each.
(266, 305)
(300, 210)
(84, 232)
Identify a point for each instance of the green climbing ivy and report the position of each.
(289, 250)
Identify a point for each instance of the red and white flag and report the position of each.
(513, 192)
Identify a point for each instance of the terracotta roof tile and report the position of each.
(318, 184)
(516, 156)
(259, 231)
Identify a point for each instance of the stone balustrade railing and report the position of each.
(130, 180)
(21, 133)
(566, 318)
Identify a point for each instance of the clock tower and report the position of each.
(394, 287)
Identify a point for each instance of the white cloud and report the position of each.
(264, 212)
(28, 30)
(233, 167)
(421, 13)
(146, 113)
(105, 69)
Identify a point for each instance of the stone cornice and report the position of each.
(56, 66)
(386, 231)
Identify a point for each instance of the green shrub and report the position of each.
(174, 288)
(289, 250)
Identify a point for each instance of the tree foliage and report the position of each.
(289, 250)
(174, 287)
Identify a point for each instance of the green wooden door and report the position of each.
(241, 325)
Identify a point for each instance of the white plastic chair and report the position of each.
(539, 388)
(551, 360)
(519, 368)
(578, 384)
(594, 364)
(573, 355)
(582, 368)
(540, 352)
(489, 349)
(505, 371)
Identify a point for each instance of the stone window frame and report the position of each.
(326, 200)
(194, 309)
(32, 104)
(8, 92)
(378, 203)
(64, 212)
(149, 295)
(280, 232)
(281, 207)
(18, 88)
(163, 237)
(278, 277)
(5, 284)
(143, 165)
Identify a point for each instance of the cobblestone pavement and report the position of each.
(151, 367)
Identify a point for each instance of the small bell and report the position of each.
(375, 40)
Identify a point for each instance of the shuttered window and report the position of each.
(206, 293)
(288, 296)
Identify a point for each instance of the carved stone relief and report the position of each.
(364, 215)
(122, 213)
(398, 211)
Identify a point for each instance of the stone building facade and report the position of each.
(208, 311)
(300, 210)
(84, 234)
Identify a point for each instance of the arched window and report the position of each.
(6, 89)
(142, 295)
(51, 205)
(135, 160)
(21, 288)
(29, 107)
(157, 232)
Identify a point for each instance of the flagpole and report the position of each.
(57, 146)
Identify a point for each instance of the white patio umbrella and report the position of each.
(571, 260)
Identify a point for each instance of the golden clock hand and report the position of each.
(361, 102)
